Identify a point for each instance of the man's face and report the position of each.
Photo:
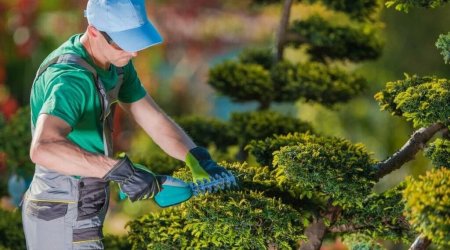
(113, 53)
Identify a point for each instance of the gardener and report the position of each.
(72, 102)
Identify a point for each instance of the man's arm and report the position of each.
(51, 148)
(165, 132)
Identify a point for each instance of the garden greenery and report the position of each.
(428, 205)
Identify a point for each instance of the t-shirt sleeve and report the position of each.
(131, 89)
(66, 98)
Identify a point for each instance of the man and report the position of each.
(72, 102)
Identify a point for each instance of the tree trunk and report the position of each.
(281, 34)
(421, 243)
(315, 233)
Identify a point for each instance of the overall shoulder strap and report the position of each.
(107, 100)
(78, 60)
(67, 58)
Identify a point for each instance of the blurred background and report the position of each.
(199, 34)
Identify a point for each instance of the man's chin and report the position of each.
(121, 63)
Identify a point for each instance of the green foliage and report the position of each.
(263, 149)
(439, 153)
(159, 231)
(242, 82)
(423, 100)
(207, 130)
(327, 40)
(358, 241)
(114, 242)
(232, 220)
(358, 9)
(406, 5)
(259, 125)
(326, 167)
(18, 135)
(257, 77)
(327, 85)
(380, 217)
(443, 44)
(428, 205)
(260, 56)
(314, 82)
(158, 162)
(11, 232)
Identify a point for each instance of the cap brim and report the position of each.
(137, 39)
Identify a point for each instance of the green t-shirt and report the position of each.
(68, 92)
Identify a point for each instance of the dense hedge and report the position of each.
(327, 168)
(443, 43)
(428, 205)
(327, 40)
(11, 231)
(439, 152)
(244, 220)
(380, 217)
(207, 130)
(260, 125)
(423, 100)
(257, 77)
(406, 5)
(357, 9)
(18, 135)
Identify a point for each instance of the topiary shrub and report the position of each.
(226, 221)
(427, 205)
(259, 125)
(11, 230)
(439, 152)
(326, 168)
(422, 100)
(114, 242)
(206, 131)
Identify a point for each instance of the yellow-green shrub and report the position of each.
(428, 205)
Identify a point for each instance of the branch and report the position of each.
(446, 134)
(345, 228)
(315, 232)
(408, 151)
(281, 34)
(421, 243)
(349, 228)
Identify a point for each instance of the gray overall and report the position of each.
(65, 212)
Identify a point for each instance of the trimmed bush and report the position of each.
(428, 205)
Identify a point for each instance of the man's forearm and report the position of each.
(171, 138)
(62, 156)
(165, 132)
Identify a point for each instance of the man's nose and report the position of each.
(133, 54)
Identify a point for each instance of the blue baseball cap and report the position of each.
(125, 21)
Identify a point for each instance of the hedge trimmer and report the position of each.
(174, 191)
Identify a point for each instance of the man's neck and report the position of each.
(91, 50)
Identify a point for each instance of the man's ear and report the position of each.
(92, 31)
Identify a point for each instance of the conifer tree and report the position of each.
(304, 187)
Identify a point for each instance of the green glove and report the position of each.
(202, 166)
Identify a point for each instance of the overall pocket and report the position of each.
(46, 210)
(92, 197)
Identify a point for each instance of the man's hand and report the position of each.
(136, 181)
(202, 166)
